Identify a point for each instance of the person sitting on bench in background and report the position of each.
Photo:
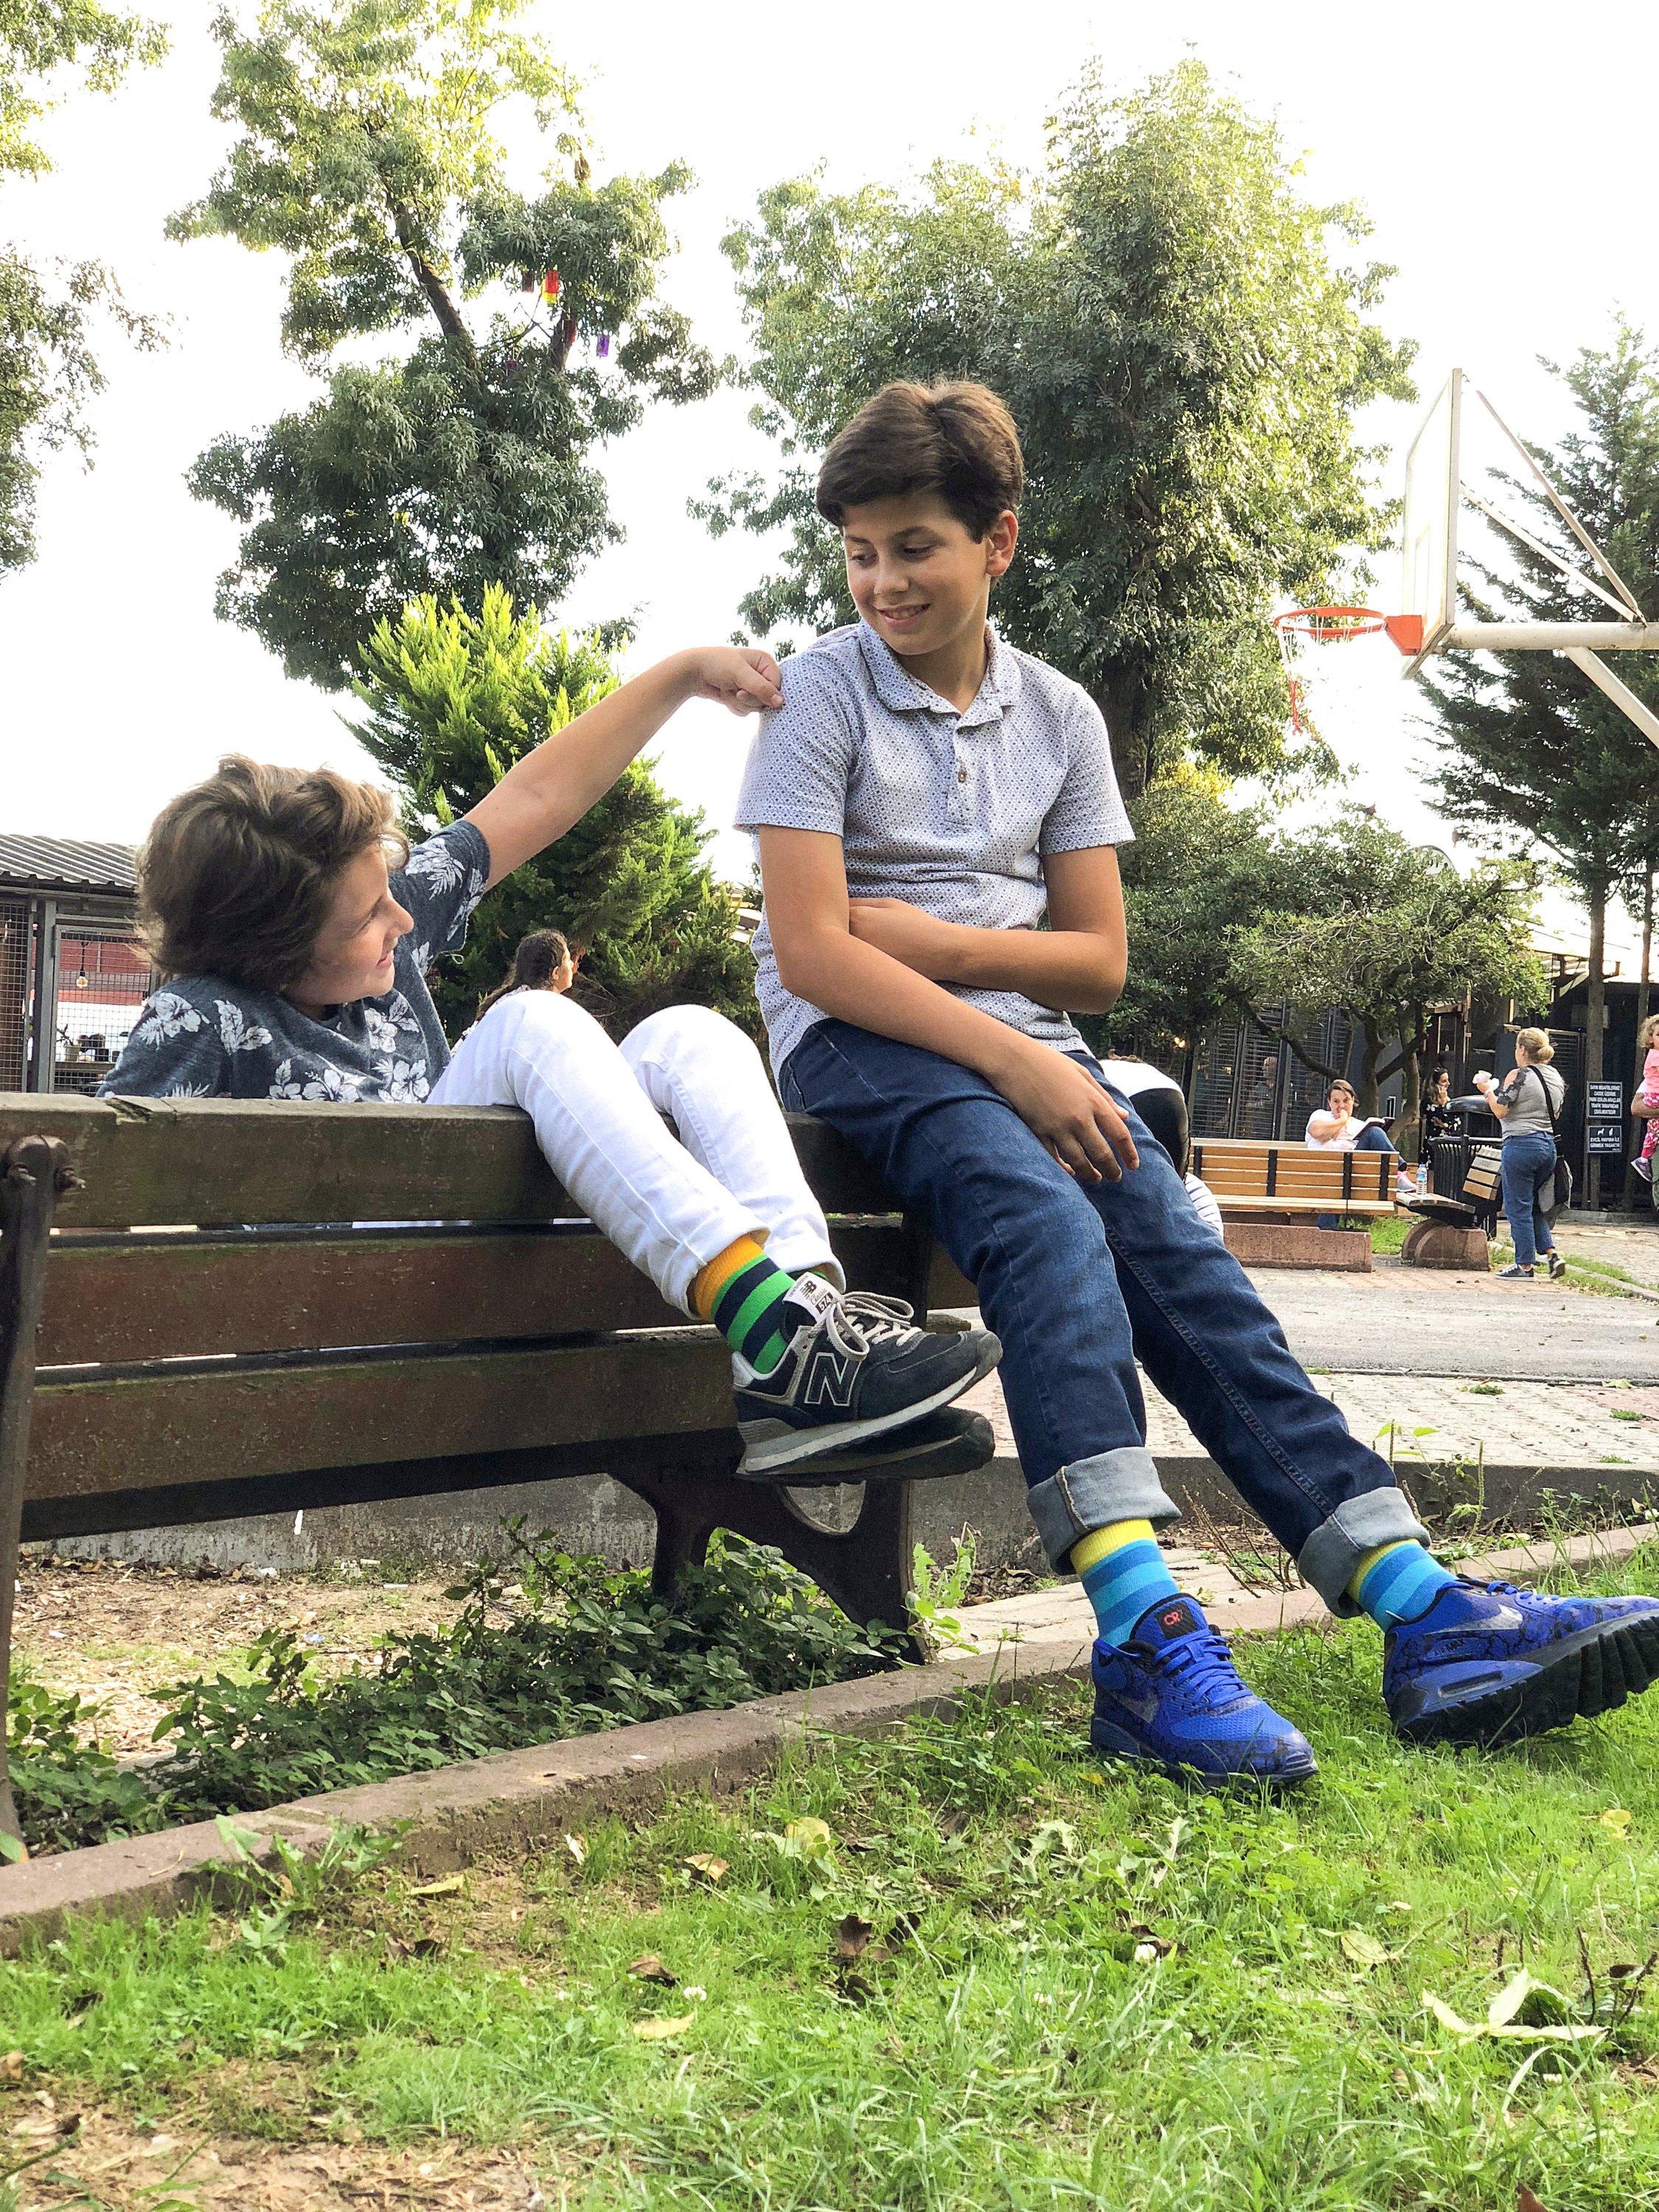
(294, 926)
(1332, 1128)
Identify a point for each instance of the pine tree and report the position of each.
(1529, 748)
(453, 699)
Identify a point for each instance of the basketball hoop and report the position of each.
(1302, 626)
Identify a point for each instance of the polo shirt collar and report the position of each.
(899, 690)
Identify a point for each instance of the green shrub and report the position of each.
(585, 1648)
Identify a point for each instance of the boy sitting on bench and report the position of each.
(924, 797)
(295, 928)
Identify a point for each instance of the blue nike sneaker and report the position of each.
(1172, 1695)
(1486, 1662)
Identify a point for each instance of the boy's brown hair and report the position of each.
(956, 439)
(235, 878)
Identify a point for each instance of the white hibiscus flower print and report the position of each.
(379, 1030)
(237, 1032)
(435, 861)
(166, 1016)
(189, 1090)
(403, 1082)
(420, 957)
(316, 1082)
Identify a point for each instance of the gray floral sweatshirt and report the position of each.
(200, 1038)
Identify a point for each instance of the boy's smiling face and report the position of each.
(918, 576)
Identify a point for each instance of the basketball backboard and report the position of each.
(1429, 524)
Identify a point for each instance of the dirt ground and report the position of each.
(112, 1632)
(87, 2158)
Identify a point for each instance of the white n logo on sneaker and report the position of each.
(829, 1377)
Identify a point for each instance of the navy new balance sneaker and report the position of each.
(1172, 1695)
(1486, 1662)
(857, 1367)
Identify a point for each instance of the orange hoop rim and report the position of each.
(1329, 625)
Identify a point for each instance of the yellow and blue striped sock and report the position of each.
(1122, 1571)
(1397, 1582)
(740, 1291)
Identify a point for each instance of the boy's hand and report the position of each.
(903, 932)
(742, 677)
(1077, 1121)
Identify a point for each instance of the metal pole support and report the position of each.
(33, 1171)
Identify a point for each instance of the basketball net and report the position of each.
(1305, 626)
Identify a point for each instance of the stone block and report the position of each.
(1443, 1244)
(1297, 1244)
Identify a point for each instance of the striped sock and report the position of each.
(1123, 1572)
(740, 1291)
(1397, 1582)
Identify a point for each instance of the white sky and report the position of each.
(1501, 153)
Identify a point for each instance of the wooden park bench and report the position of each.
(1270, 1195)
(192, 1329)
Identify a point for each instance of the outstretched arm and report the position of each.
(1078, 962)
(820, 958)
(550, 789)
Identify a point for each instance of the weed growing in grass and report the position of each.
(580, 1648)
(991, 1974)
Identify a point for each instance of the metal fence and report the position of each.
(71, 984)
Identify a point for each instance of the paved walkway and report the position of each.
(1063, 1616)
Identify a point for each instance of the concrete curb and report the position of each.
(521, 1800)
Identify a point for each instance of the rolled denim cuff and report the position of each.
(1327, 1560)
(1113, 1485)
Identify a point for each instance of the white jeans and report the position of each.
(671, 1207)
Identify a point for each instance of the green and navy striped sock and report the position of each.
(745, 1312)
(1397, 1582)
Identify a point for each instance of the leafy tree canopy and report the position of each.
(1385, 931)
(48, 368)
(367, 151)
(453, 699)
(39, 40)
(1185, 351)
(1199, 874)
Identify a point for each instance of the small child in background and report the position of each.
(1647, 1042)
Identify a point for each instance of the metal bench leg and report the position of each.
(33, 1171)
(865, 1570)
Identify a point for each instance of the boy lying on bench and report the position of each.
(295, 959)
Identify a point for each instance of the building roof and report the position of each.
(63, 863)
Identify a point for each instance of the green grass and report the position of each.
(1013, 2051)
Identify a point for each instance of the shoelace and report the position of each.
(1203, 1664)
(859, 1320)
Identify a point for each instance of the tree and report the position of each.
(1198, 875)
(1385, 932)
(1185, 353)
(1528, 747)
(367, 152)
(48, 368)
(453, 699)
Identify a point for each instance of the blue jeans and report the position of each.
(1078, 1283)
(1370, 1139)
(1529, 1168)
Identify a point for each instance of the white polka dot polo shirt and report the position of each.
(953, 811)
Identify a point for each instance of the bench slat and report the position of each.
(1330, 1202)
(151, 1161)
(158, 1428)
(195, 1296)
